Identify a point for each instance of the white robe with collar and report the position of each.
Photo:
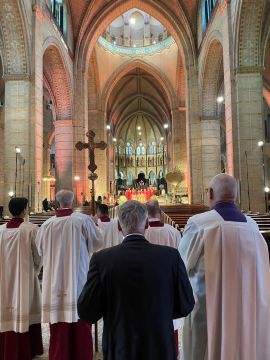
(167, 236)
(228, 266)
(110, 233)
(20, 297)
(65, 244)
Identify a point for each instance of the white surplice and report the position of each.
(20, 297)
(163, 235)
(110, 233)
(66, 244)
(228, 267)
(167, 236)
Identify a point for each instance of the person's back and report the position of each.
(108, 227)
(138, 288)
(227, 263)
(65, 241)
(20, 297)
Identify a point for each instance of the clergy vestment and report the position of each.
(138, 288)
(110, 231)
(227, 262)
(20, 297)
(65, 241)
(164, 234)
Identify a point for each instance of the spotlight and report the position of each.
(267, 189)
(154, 42)
(11, 194)
(132, 21)
(76, 178)
(166, 126)
(108, 127)
(17, 149)
(134, 45)
(139, 128)
(114, 140)
(220, 99)
(260, 143)
(162, 138)
(140, 133)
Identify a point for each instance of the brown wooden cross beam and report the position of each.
(91, 146)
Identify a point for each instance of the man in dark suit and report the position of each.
(138, 288)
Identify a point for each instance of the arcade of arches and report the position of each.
(168, 85)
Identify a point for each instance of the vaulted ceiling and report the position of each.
(79, 8)
(138, 92)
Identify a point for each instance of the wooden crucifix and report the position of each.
(91, 146)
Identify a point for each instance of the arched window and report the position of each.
(59, 12)
(130, 150)
(207, 9)
(143, 150)
(138, 151)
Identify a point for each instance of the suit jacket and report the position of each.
(138, 288)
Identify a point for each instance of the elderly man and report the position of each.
(138, 288)
(228, 266)
(65, 241)
(20, 297)
(162, 234)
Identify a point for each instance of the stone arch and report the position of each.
(58, 79)
(133, 64)
(93, 28)
(14, 45)
(250, 15)
(211, 70)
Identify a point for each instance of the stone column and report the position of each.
(2, 154)
(16, 134)
(80, 128)
(180, 142)
(97, 124)
(251, 130)
(211, 158)
(194, 138)
(63, 153)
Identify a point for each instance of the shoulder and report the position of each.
(252, 222)
(29, 226)
(204, 218)
(79, 216)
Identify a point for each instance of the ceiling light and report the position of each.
(154, 42)
(140, 133)
(220, 99)
(108, 127)
(266, 189)
(139, 128)
(166, 126)
(132, 21)
(114, 140)
(162, 138)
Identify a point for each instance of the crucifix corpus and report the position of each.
(91, 146)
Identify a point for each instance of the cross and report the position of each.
(91, 146)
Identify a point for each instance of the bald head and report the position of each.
(153, 209)
(222, 187)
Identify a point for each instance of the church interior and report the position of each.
(135, 99)
(177, 90)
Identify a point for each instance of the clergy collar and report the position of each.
(135, 236)
(14, 223)
(155, 222)
(105, 218)
(63, 212)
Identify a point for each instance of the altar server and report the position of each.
(65, 241)
(162, 234)
(109, 227)
(158, 232)
(138, 288)
(20, 298)
(227, 262)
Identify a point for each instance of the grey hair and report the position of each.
(65, 198)
(224, 187)
(132, 216)
(153, 207)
